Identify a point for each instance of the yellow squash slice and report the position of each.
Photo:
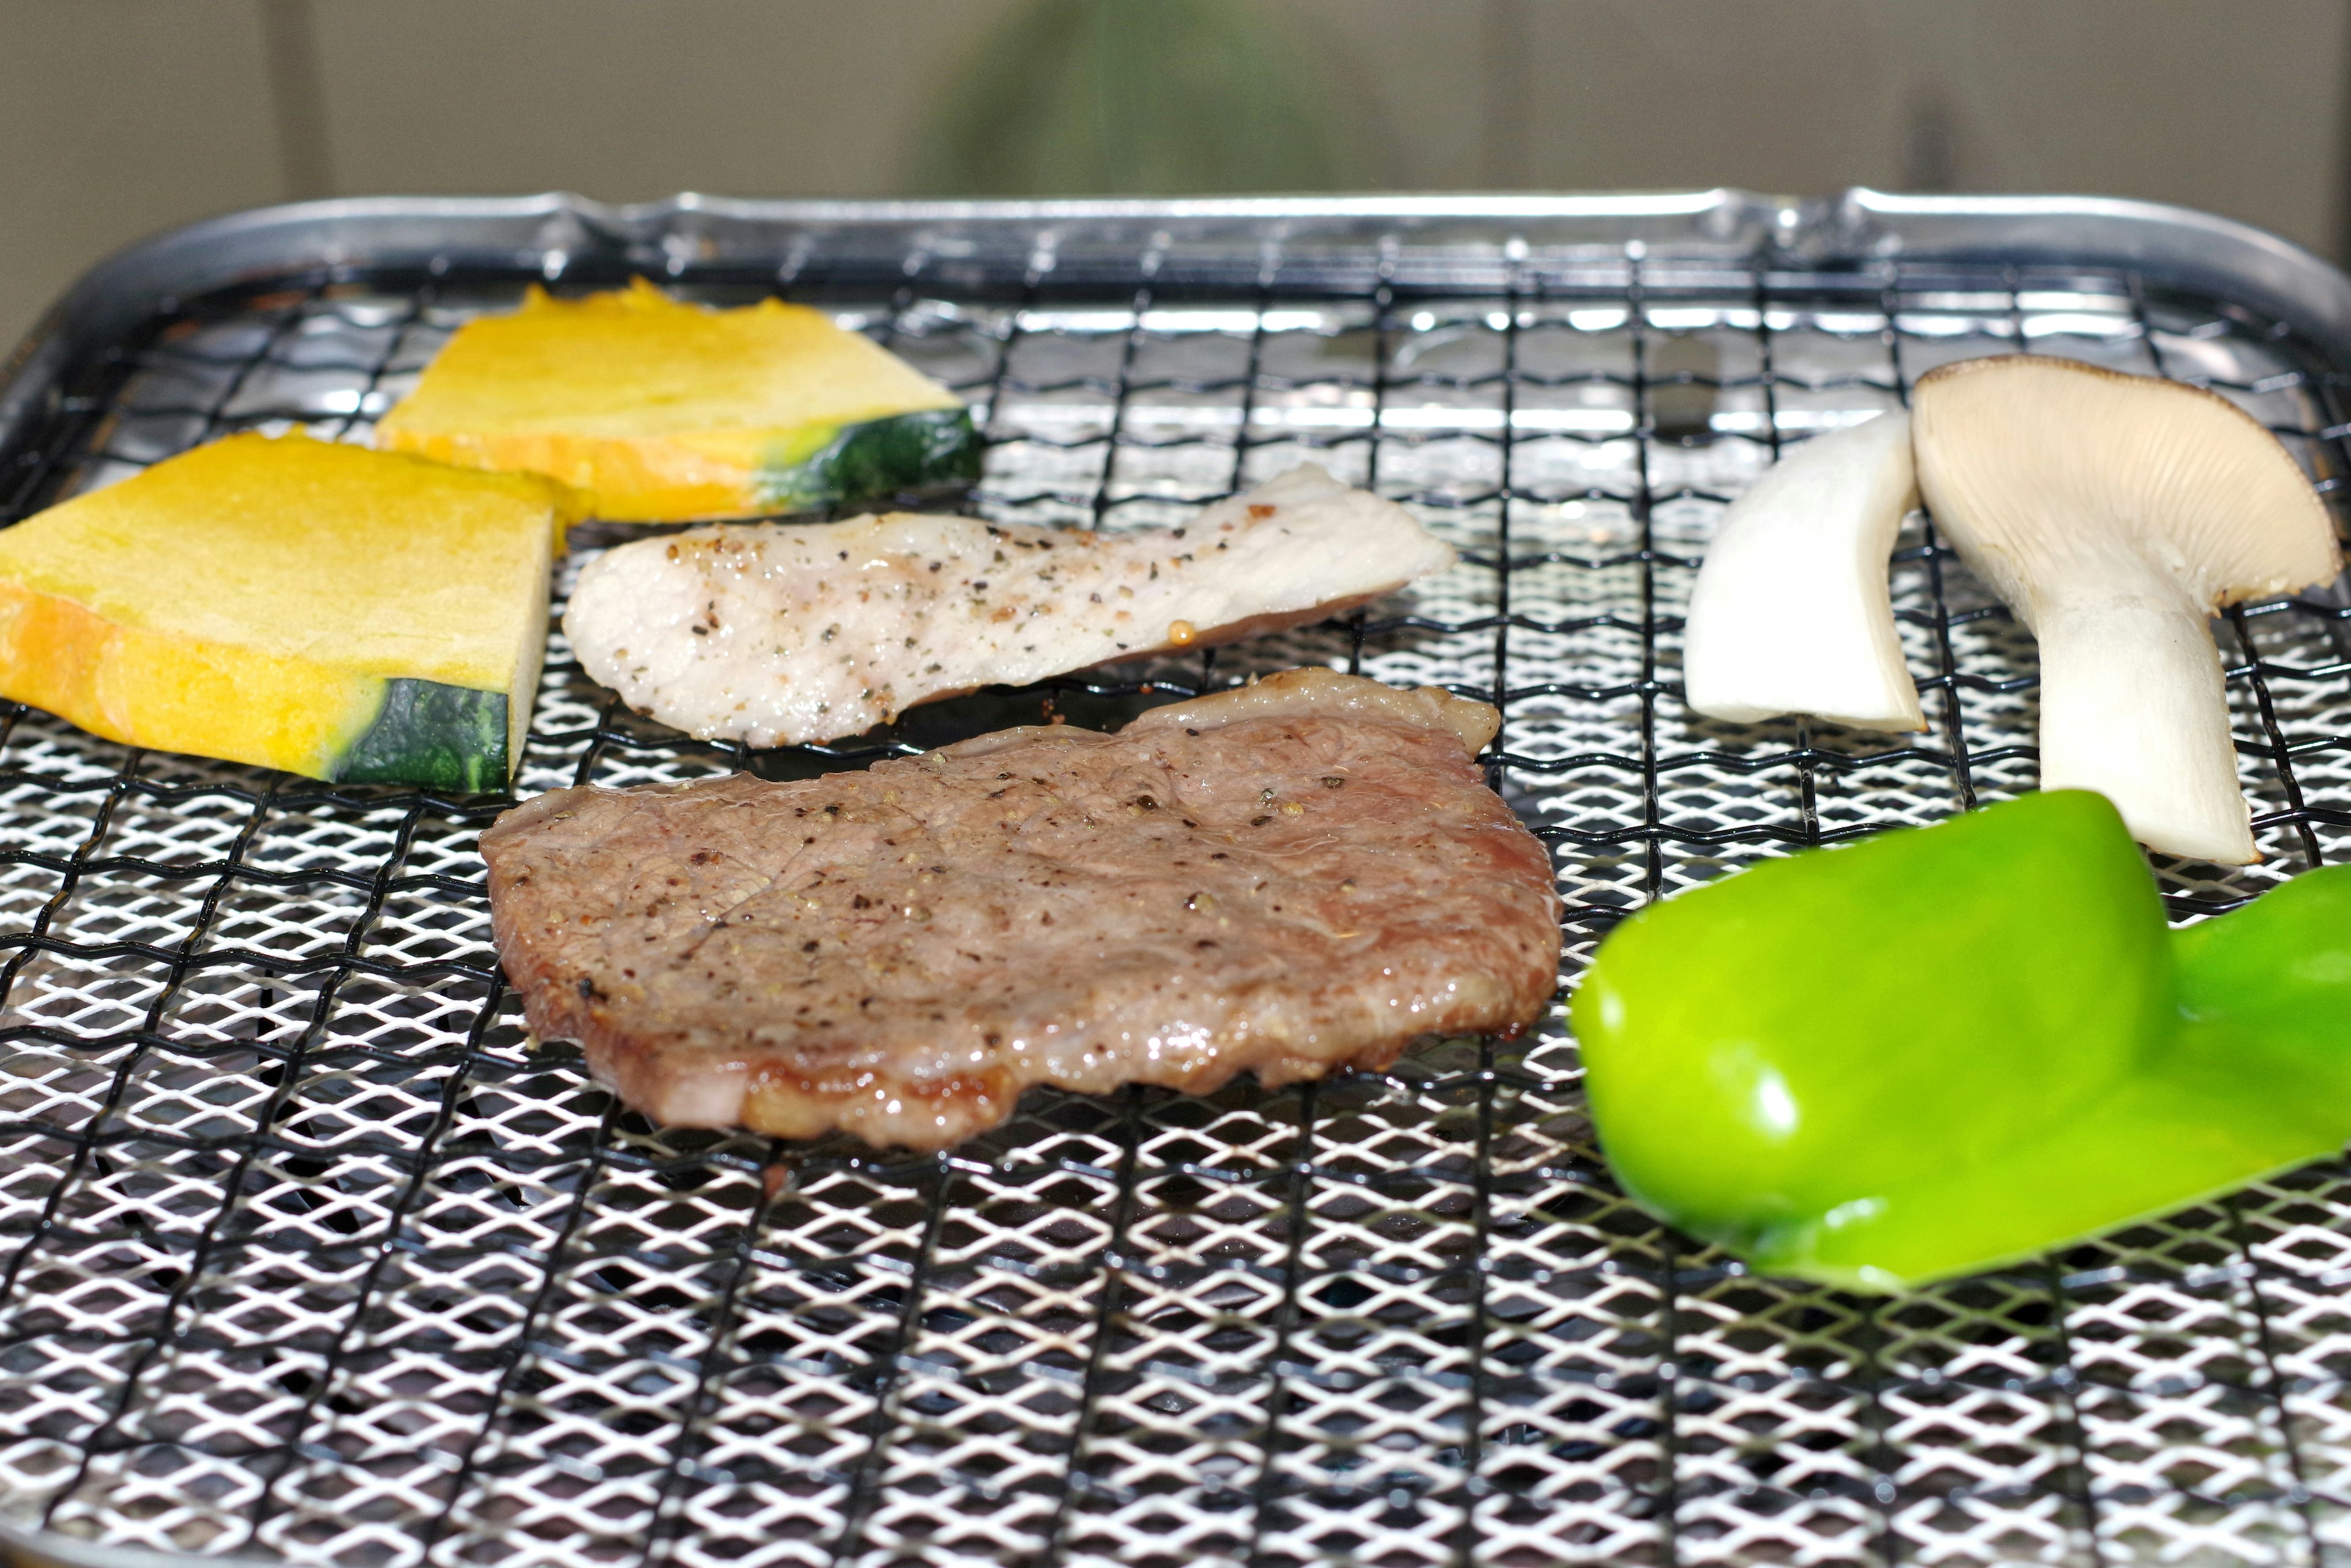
(294, 603)
(663, 412)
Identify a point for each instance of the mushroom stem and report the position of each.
(2133, 705)
(1790, 611)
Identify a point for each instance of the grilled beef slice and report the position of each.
(1301, 874)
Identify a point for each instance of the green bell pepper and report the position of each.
(1952, 1047)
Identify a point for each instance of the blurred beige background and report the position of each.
(121, 117)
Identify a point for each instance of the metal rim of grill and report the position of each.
(307, 1252)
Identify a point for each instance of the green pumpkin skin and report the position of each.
(431, 736)
(930, 449)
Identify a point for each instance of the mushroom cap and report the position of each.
(2053, 465)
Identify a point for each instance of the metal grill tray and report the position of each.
(307, 1252)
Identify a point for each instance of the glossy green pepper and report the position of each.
(1950, 1047)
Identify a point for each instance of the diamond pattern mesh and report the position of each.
(305, 1250)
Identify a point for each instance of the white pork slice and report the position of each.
(779, 634)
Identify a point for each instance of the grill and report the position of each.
(307, 1251)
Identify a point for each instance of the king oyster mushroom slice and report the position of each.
(1789, 612)
(2114, 514)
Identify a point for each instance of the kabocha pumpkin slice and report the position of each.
(665, 411)
(324, 609)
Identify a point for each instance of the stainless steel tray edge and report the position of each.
(548, 232)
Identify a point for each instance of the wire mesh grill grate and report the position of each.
(305, 1250)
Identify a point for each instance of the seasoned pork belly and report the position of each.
(777, 633)
(1301, 875)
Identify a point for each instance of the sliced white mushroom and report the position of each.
(1790, 611)
(2114, 514)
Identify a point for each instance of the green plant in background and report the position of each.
(1138, 97)
(1952, 1046)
